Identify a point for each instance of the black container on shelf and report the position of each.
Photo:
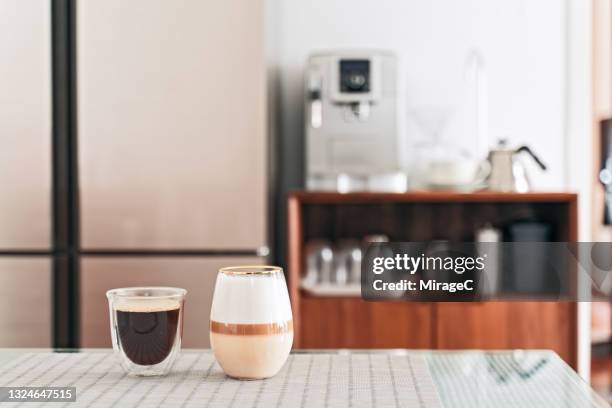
(528, 270)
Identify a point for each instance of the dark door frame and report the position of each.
(65, 239)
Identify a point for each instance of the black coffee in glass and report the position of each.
(147, 335)
(146, 327)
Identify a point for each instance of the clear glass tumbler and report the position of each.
(146, 328)
(251, 325)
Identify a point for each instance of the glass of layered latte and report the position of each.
(251, 326)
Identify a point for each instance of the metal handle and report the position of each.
(532, 154)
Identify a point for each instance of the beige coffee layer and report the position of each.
(253, 356)
(251, 329)
(147, 306)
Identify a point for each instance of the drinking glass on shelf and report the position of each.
(347, 262)
(319, 263)
(251, 325)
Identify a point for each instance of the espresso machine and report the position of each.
(351, 122)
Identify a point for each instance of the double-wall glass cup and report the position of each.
(251, 326)
(146, 328)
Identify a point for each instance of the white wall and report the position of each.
(538, 62)
(523, 43)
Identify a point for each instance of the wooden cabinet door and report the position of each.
(508, 325)
(354, 323)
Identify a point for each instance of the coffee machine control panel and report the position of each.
(354, 76)
(355, 80)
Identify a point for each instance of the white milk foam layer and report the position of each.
(251, 299)
(146, 305)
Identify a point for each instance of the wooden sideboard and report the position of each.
(350, 322)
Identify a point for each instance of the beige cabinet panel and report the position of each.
(197, 275)
(172, 136)
(25, 302)
(25, 124)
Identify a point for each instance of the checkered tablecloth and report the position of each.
(307, 380)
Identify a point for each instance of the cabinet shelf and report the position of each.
(348, 321)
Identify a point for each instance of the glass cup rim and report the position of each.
(127, 292)
(251, 270)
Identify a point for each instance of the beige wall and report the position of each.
(25, 171)
(172, 144)
(25, 123)
(172, 131)
(25, 302)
